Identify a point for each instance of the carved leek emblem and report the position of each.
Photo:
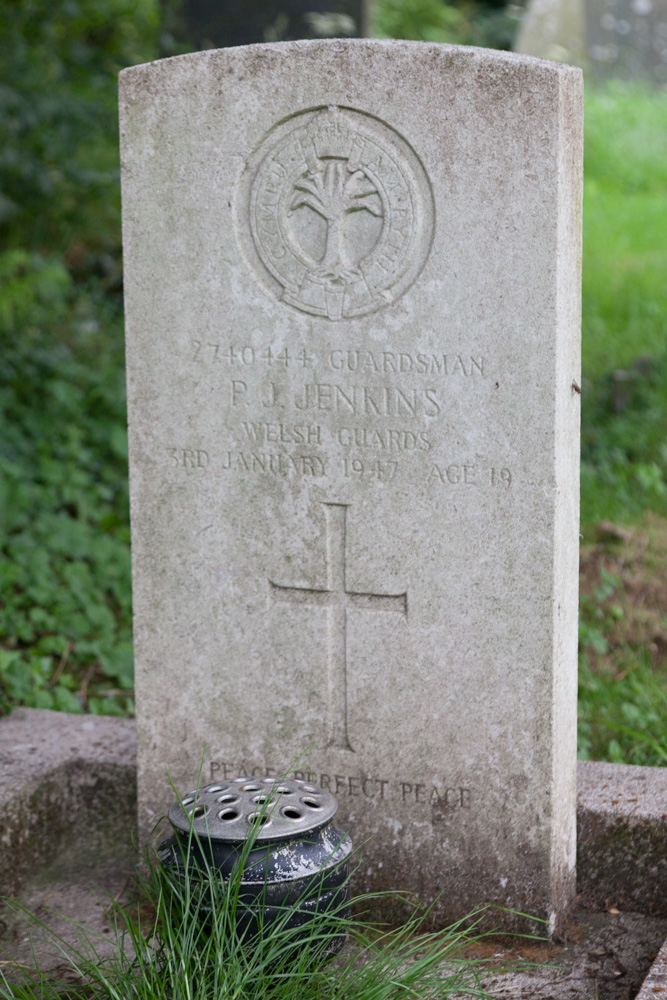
(334, 190)
(340, 213)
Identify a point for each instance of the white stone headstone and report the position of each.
(628, 39)
(609, 38)
(554, 29)
(352, 294)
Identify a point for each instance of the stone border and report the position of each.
(622, 837)
(655, 984)
(62, 778)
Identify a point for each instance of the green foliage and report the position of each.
(475, 22)
(622, 696)
(59, 160)
(65, 639)
(625, 220)
(624, 403)
(422, 20)
(622, 717)
(623, 444)
(594, 618)
(626, 138)
(622, 693)
(64, 558)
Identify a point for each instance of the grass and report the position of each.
(624, 445)
(185, 939)
(625, 227)
(622, 713)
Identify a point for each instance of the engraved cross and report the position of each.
(336, 598)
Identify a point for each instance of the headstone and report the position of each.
(610, 38)
(554, 29)
(352, 299)
(628, 39)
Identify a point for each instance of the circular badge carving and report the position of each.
(335, 212)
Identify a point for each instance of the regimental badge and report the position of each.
(335, 213)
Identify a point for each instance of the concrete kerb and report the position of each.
(63, 779)
(656, 981)
(622, 837)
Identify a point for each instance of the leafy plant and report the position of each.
(423, 20)
(624, 400)
(59, 161)
(625, 255)
(622, 689)
(623, 446)
(622, 715)
(491, 23)
(65, 639)
(64, 555)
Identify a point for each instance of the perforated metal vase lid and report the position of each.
(276, 810)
